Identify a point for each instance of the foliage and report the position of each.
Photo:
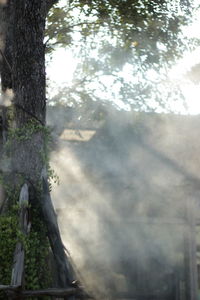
(23, 135)
(37, 268)
(11, 193)
(140, 25)
(8, 226)
(136, 25)
(119, 45)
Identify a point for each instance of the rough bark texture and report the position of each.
(30, 103)
(28, 60)
(29, 83)
(6, 38)
(23, 70)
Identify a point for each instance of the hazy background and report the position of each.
(126, 149)
(122, 197)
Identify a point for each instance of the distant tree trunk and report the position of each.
(23, 70)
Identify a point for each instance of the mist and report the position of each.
(123, 200)
(128, 199)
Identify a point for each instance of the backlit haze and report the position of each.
(130, 168)
(61, 68)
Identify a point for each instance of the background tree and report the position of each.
(126, 47)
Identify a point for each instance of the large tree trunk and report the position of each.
(23, 70)
(28, 60)
(29, 84)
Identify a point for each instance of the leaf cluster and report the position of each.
(135, 24)
(37, 266)
(106, 36)
(8, 228)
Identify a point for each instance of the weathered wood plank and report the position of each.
(24, 195)
(9, 287)
(18, 265)
(64, 269)
(56, 293)
(18, 261)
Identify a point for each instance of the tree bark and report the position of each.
(28, 60)
(29, 83)
(6, 44)
(6, 37)
(23, 70)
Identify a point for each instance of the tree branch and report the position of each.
(50, 4)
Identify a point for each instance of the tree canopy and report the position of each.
(124, 50)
